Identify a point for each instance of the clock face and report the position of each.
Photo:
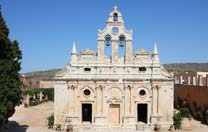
(115, 30)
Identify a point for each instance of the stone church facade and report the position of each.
(111, 89)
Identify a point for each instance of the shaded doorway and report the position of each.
(114, 114)
(87, 112)
(142, 113)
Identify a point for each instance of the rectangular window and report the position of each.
(87, 69)
(142, 69)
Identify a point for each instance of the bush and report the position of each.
(185, 112)
(58, 127)
(50, 121)
(177, 118)
(50, 93)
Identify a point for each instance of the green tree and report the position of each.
(10, 61)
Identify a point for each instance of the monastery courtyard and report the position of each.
(34, 119)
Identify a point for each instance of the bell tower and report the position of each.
(117, 36)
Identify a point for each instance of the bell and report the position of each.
(107, 44)
(121, 45)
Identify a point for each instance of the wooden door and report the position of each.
(114, 114)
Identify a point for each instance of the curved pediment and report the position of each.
(141, 52)
(88, 52)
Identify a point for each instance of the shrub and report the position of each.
(177, 118)
(49, 92)
(50, 121)
(185, 112)
(58, 127)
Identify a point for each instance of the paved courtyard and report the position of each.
(34, 119)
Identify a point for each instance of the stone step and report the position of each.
(86, 129)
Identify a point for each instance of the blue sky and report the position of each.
(47, 28)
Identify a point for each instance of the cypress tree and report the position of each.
(10, 84)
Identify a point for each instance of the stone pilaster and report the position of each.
(72, 115)
(100, 117)
(127, 106)
(128, 52)
(115, 52)
(99, 99)
(71, 99)
(129, 118)
(155, 105)
(101, 51)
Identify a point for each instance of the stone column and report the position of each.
(99, 99)
(194, 80)
(189, 80)
(73, 110)
(181, 79)
(128, 52)
(129, 118)
(115, 52)
(154, 102)
(101, 51)
(155, 105)
(41, 96)
(100, 117)
(127, 101)
(70, 99)
(76, 101)
(200, 81)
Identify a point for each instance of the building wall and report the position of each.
(36, 81)
(103, 93)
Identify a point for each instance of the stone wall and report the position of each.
(190, 93)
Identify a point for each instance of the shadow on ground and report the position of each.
(14, 126)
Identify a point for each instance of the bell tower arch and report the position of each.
(119, 36)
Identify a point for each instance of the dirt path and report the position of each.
(31, 119)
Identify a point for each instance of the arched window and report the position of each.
(108, 40)
(108, 46)
(122, 45)
(122, 41)
(115, 17)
